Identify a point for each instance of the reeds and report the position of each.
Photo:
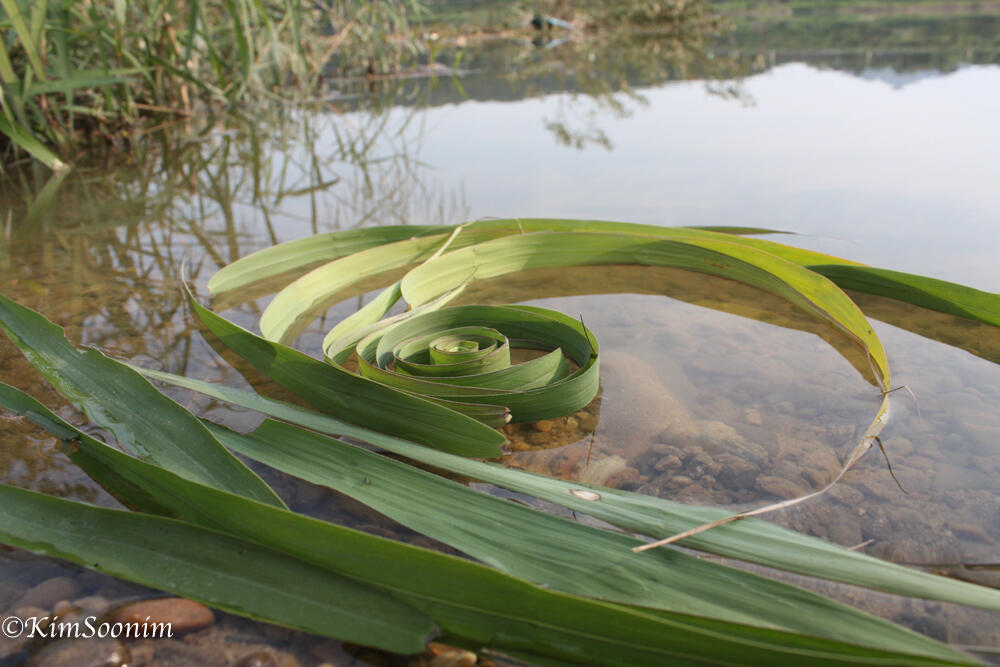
(74, 74)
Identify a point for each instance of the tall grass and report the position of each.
(74, 73)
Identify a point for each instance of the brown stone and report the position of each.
(142, 653)
(544, 425)
(776, 486)
(920, 462)
(82, 653)
(915, 481)
(63, 607)
(31, 612)
(882, 489)
(443, 655)
(667, 462)
(845, 532)
(46, 594)
(623, 479)
(736, 472)
(815, 478)
(846, 494)
(908, 551)
(822, 459)
(182, 615)
(695, 494)
(753, 416)
(700, 463)
(538, 438)
(92, 603)
(10, 590)
(970, 532)
(330, 651)
(266, 658)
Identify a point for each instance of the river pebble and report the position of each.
(46, 594)
(449, 656)
(969, 532)
(82, 653)
(266, 658)
(183, 615)
(780, 487)
(846, 494)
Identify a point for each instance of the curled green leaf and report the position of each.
(461, 357)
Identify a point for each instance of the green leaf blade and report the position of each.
(752, 540)
(222, 571)
(356, 399)
(113, 395)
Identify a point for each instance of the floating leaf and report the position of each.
(473, 605)
(232, 574)
(750, 540)
(558, 552)
(402, 355)
(114, 396)
(356, 399)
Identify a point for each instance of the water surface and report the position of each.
(881, 152)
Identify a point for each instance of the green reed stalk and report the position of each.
(74, 74)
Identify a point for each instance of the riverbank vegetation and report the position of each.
(77, 76)
(82, 76)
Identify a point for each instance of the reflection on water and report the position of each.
(708, 404)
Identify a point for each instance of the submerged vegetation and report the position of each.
(556, 589)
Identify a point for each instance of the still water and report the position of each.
(886, 159)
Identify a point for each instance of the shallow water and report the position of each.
(885, 159)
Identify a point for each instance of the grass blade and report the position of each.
(474, 605)
(223, 571)
(353, 398)
(26, 141)
(143, 420)
(561, 553)
(24, 34)
(751, 540)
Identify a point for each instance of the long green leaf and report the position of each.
(356, 399)
(23, 33)
(724, 258)
(295, 256)
(82, 80)
(30, 144)
(310, 295)
(750, 540)
(298, 256)
(474, 605)
(561, 553)
(7, 75)
(143, 420)
(223, 571)
(306, 297)
(930, 293)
